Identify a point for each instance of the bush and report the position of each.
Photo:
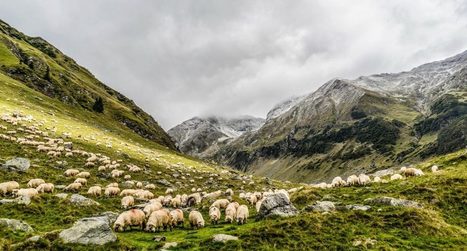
(98, 105)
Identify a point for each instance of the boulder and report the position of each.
(89, 231)
(389, 201)
(164, 182)
(321, 206)
(82, 201)
(357, 207)
(15, 225)
(169, 245)
(277, 204)
(224, 238)
(17, 165)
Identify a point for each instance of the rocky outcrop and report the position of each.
(389, 201)
(17, 165)
(82, 201)
(277, 205)
(90, 231)
(15, 225)
(321, 206)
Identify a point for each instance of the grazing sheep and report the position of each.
(396, 177)
(434, 169)
(169, 191)
(213, 195)
(116, 173)
(231, 212)
(214, 214)
(221, 204)
(229, 192)
(363, 179)
(112, 185)
(27, 192)
(127, 177)
(352, 180)
(83, 175)
(338, 182)
(75, 187)
(196, 219)
(128, 192)
(133, 217)
(45, 188)
(35, 183)
(377, 180)
(154, 206)
(158, 220)
(71, 172)
(193, 199)
(176, 217)
(411, 171)
(112, 191)
(139, 184)
(127, 201)
(83, 181)
(95, 191)
(242, 214)
(150, 186)
(144, 195)
(252, 199)
(176, 202)
(8, 187)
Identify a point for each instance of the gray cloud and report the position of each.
(178, 59)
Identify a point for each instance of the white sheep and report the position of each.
(214, 214)
(363, 179)
(176, 217)
(154, 206)
(83, 181)
(352, 180)
(158, 220)
(196, 219)
(95, 191)
(377, 180)
(83, 175)
(396, 177)
(8, 187)
(338, 182)
(74, 187)
(411, 171)
(127, 201)
(133, 217)
(176, 202)
(45, 188)
(221, 203)
(27, 192)
(231, 212)
(33, 183)
(150, 186)
(434, 169)
(242, 214)
(111, 191)
(71, 172)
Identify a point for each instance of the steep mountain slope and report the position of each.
(361, 125)
(203, 136)
(283, 107)
(42, 67)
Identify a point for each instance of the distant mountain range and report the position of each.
(349, 126)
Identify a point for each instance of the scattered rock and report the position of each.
(23, 200)
(17, 165)
(394, 202)
(169, 245)
(164, 182)
(15, 225)
(61, 195)
(357, 207)
(6, 201)
(82, 201)
(224, 238)
(277, 204)
(60, 187)
(89, 231)
(366, 243)
(35, 238)
(321, 206)
(111, 216)
(236, 177)
(383, 172)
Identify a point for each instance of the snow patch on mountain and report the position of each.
(283, 107)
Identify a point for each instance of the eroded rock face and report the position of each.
(277, 205)
(393, 202)
(15, 225)
(17, 165)
(358, 207)
(90, 231)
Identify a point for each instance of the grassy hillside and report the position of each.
(42, 67)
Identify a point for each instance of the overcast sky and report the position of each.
(179, 59)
